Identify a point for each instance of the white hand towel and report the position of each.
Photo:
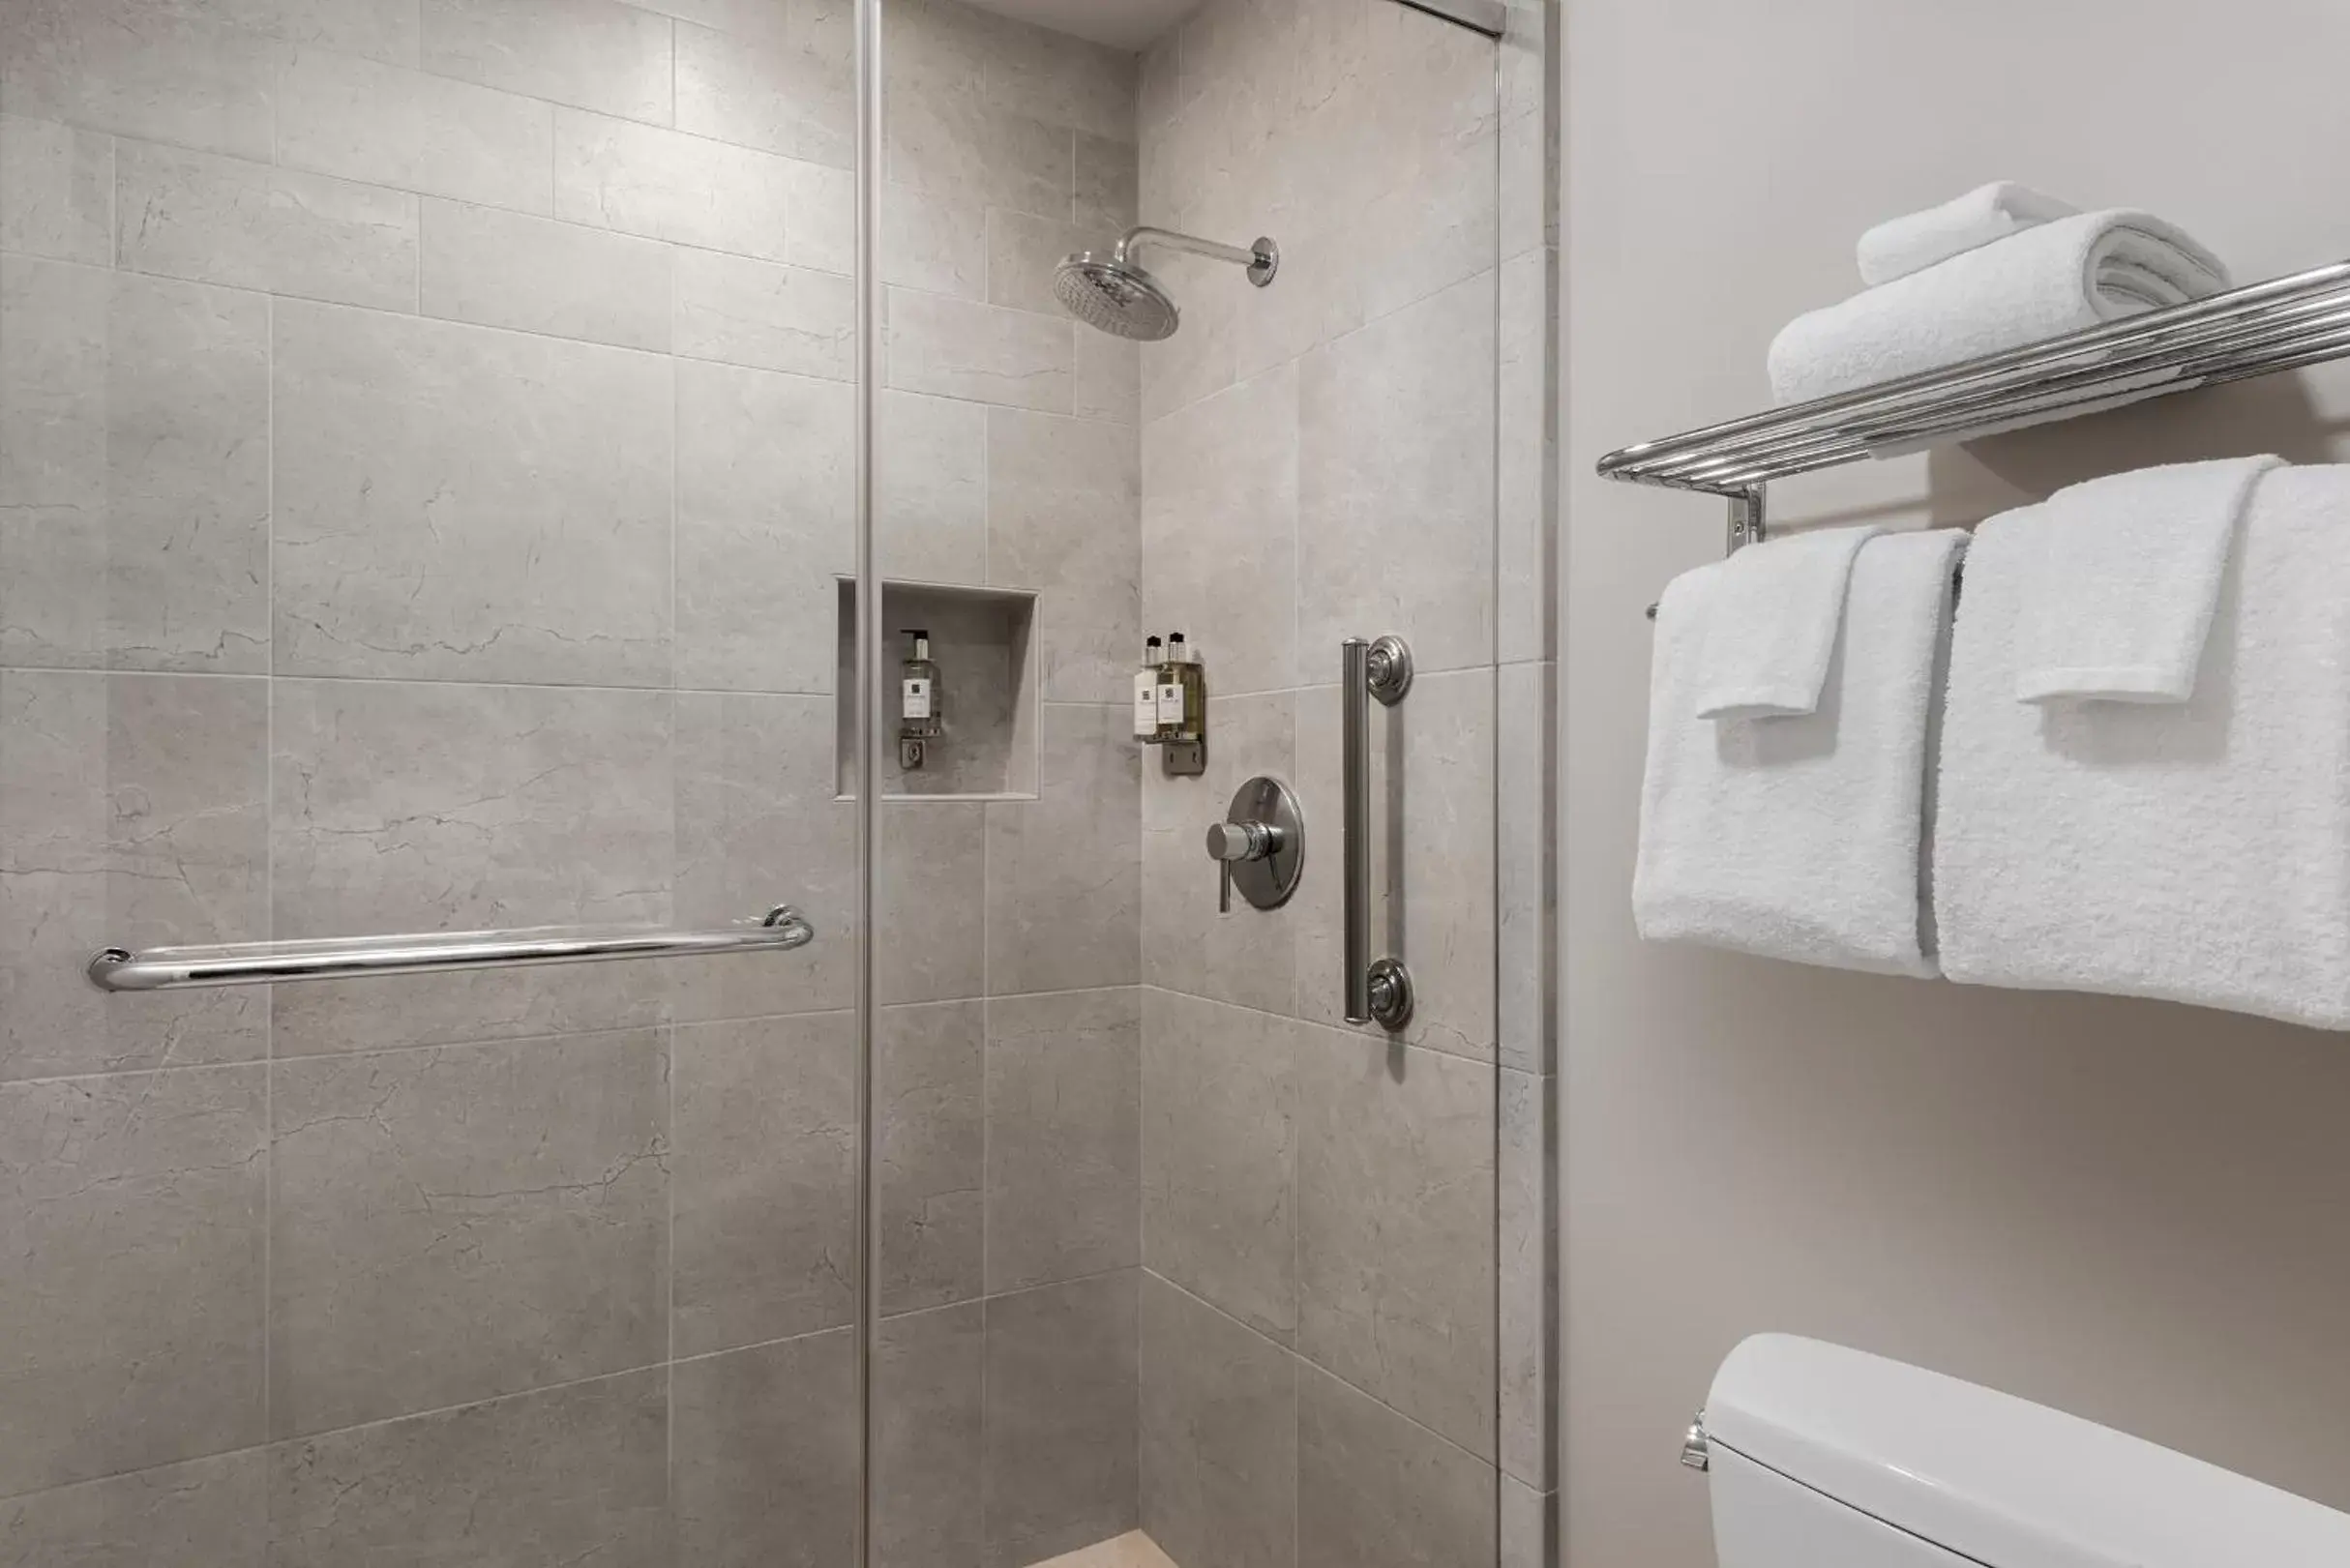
(1800, 838)
(2038, 284)
(1916, 240)
(1773, 624)
(2122, 601)
(2198, 851)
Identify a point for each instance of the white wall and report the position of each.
(2130, 1211)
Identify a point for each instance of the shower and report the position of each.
(1110, 292)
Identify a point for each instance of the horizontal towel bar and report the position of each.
(255, 963)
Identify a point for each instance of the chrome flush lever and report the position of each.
(1260, 844)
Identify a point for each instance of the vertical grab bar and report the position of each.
(1377, 990)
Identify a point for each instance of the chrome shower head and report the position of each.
(1115, 297)
(1108, 291)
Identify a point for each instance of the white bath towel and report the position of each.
(1800, 836)
(1916, 240)
(2123, 600)
(2197, 851)
(2037, 283)
(1773, 624)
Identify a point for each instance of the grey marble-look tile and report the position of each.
(766, 517)
(204, 1512)
(466, 1007)
(56, 191)
(928, 1397)
(986, 353)
(1220, 533)
(768, 316)
(1219, 1435)
(663, 185)
(1525, 157)
(766, 1460)
(1527, 1230)
(1245, 954)
(930, 880)
(1526, 884)
(224, 221)
(431, 806)
(1432, 858)
(1107, 180)
(1220, 1156)
(929, 1091)
(594, 54)
(934, 240)
(131, 814)
(1395, 482)
(131, 1212)
(458, 504)
(1023, 251)
(1064, 871)
(383, 124)
(823, 219)
(1395, 1228)
(573, 1474)
(793, 95)
(460, 1223)
(1063, 498)
(765, 1179)
(504, 269)
(757, 826)
(931, 489)
(1063, 1113)
(367, 27)
(1061, 1464)
(1376, 1490)
(950, 141)
(1063, 80)
(134, 471)
(1109, 378)
(140, 70)
(1526, 459)
(762, 21)
(1529, 1525)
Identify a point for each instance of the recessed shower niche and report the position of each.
(982, 645)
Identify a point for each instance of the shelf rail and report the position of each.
(2259, 330)
(257, 963)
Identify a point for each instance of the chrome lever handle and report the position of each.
(1376, 991)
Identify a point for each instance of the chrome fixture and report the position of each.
(1260, 845)
(1696, 1448)
(1488, 17)
(1376, 991)
(255, 963)
(1107, 290)
(2259, 330)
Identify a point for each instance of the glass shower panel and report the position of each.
(427, 466)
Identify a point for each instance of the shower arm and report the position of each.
(1261, 255)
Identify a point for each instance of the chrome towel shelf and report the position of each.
(255, 963)
(2258, 330)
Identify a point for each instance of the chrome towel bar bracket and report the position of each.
(256, 963)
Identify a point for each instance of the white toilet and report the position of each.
(1821, 1457)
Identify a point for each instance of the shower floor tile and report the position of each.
(1132, 1550)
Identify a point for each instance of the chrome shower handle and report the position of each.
(1375, 991)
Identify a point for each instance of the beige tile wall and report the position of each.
(424, 452)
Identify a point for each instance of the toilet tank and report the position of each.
(1819, 1457)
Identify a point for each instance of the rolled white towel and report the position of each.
(2038, 284)
(1916, 240)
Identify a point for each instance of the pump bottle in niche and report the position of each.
(1146, 693)
(921, 707)
(1182, 709)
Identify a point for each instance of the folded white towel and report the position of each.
(1773, 624)
(2037, 283)
(1798, 838)
(2122, 603)
(1916, 240)
(2198, 851)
